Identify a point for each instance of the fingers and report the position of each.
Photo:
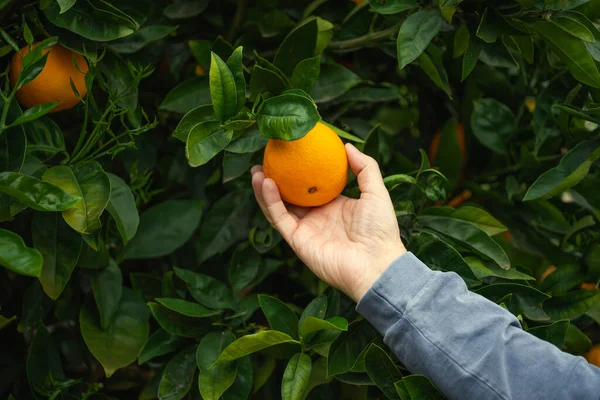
(269, 200)
(283, 221)
(367, 172)
(298, 211)
(258, 178)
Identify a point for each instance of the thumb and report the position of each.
(367, 171)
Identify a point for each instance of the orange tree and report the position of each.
(135, 262)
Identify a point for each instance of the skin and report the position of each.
(347, 243)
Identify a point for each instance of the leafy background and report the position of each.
(134, 254)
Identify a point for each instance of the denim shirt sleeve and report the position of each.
(468, 346)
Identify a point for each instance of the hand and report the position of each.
(347, 243)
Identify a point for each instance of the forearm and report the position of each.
(470, 347)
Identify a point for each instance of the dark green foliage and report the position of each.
(130, 242)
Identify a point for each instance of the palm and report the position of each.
(337, 239)
(342, 242)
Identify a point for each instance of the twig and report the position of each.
(518, 166)
(237, 20)
(364, 40)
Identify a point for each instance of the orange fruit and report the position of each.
(588, 286)
(460, 198)
(310, 171)
(547, 272)
(357, 2)
(54, 82)
(593, 356)
(199, 70)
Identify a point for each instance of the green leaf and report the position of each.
(467, 235)
(122, 207)
(178, 375)
(89, 182)
(312, 324)
(182, 9)
(225, 223)
(523, 297)
(206, 290)
(579, 226)
(345, 350)
(306, 73)
(4, 322)
(187, 308)
(571, 305)
(43, 361)
(34, 113)
(243, 267)
(486, 269)
(554, 333)
(343, 134)
(188, 95)
(164, 228)
(214, 380)
(249, 344)
(44, 138)
(223, 89)
(572, 52)
(159, 343)
(178, 324)
(334, 80)
(33, 64)
(571, 22)
(477, 216)
(120, 344)
(201, 51)
(235, 165)
(299, 45)
(280, 316)
(17, 257)
(191, 119)
(107, 287)
(420, 387)
(493, 124)
(266, 80)
(471, 56)
(60, 248)
(415, 34)
(140, 39)
(450, 157)
(296, 377)
(287, 117)
(317, 308)
(569, 110)
(98, 22)
(150, 286)
(242, 385)
(461, 40)
(13, 146)
(402, 390)
(392, 6)
(576, 342)
(431, 62)
(36, 193)
(440, 256)
(65, 5)
(236, 67)
(382, 371)
(205, 141)
(573, 167)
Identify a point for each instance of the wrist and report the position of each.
(375, 269)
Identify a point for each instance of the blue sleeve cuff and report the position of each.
(386, 301)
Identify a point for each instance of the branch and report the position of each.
(361, 41)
